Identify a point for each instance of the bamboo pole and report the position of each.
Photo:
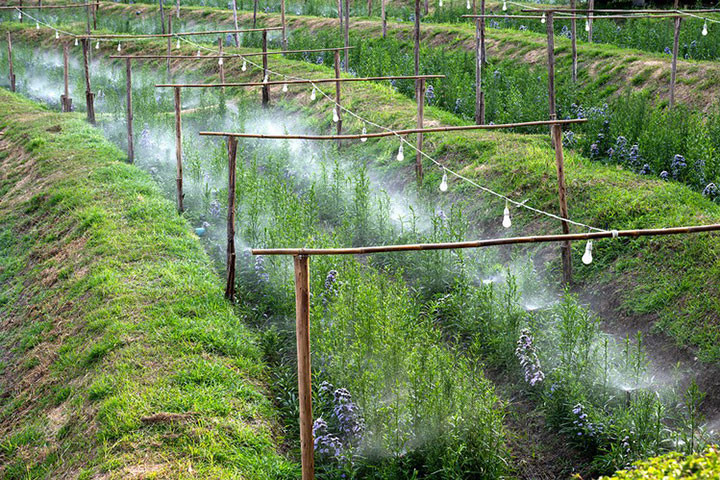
(420, 94)
(591, 10)
(673, 71)
(177, 8)
(383, 18)
(94, 14)
(89, 95)
(426, 7)
(551, 62)
(283, 43)
(235, 19)
(162, 16)
(176, 34)
(482, 32)
(591, 7)
(396, 133)
(228, 55)
(178, 149)
(221, 65)
(341, 20)
(416, 38)
(21, 14)
(10, 63)
(296, 82)
(577, 17)
(255, 8)
(266, 87)
(346, 36)
(573, 37)
(65, 99)
(489, 242)
(565, 249)
(169, 44)
(128, 88)
(337, 96)
(44, 7)
(302, 335)
(87, 15)
(479, 60)
(369, 7)
(231, 256)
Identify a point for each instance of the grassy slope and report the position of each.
(601, 66)
(112, 320)
(666, 282)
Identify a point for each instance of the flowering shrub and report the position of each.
(525, 352)
(336, 440)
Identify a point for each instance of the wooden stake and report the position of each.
(10, 63)
(591, 7)
(128, 88)
(95, 9)
(89, 95)
(302, 335)
(551, 62)
(420, 94)
(284, 25)
(87, 15)
(65, 99)
(384, 19)
(340, 17)
(416, 37)
(21, 14)
(347, 35)
(169, 44)
(231, 257)
(573, 37)
(479, 60)
(221, 65)
(265, 88)
(562, 197)
(673, 71)
(337, 96)
(482, 33)
(177, 8)
(235, 19)
(369, 6)
(426, 7)
(255, 7)
(162, 17)
(178, 150)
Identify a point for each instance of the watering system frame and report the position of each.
(301, 260)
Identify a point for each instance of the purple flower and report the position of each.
(525, 352)
(711, 191)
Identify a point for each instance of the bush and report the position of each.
(674, 466)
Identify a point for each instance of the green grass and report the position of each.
(112, 313)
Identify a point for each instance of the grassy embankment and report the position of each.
(118, 354)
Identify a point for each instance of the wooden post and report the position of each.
(65, 99)
(235, 19)
(231, 257)
(162, 16)
(337, 96)
(265, 88)
(420, 93)
(384, 19)
(369, 5)
(551, 61)
(573, 39)
(177, 10)
(221, 64)
(284, 25)
(556, 139)
(21, 14)
(169, 44)
(562, 197)
(255, 7)
(128, 87)
(673, 71)
(302, 335)
(416, 37)
(87, 16)
(340, 16)
(347, 35)
(89, 95)
(482, 33)
(479, 60)
(94, 14)
(591, 7)
(426, 8)
(178, 150)
(10, 63)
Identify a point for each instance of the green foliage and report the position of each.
(674, 466)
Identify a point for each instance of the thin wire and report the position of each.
(403, 140)
(369, 122)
